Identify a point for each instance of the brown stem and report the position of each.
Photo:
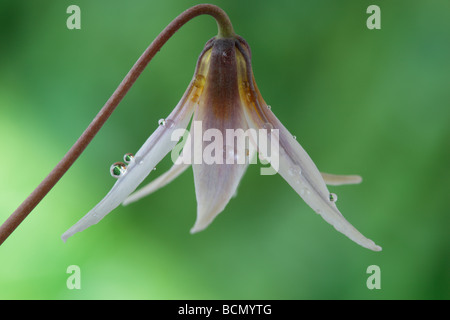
(225, 30)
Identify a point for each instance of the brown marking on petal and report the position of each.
(221, 91)
(219, 105)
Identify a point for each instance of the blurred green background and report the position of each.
(370, 102)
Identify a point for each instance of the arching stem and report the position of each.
(225, 30)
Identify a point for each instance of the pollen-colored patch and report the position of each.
(198, 84)
(244, 86)
(199, 81)
(248, 90)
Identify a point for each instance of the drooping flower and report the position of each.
(223, 96)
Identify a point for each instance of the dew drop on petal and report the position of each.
(295, 138)
(269, 107)
(333, 197)
(199, 81)
(230, 156)
(118, 169)
(305, 192)
(139, 160)
(294, 171)
(166, 123)
(128, 157)
(169, 123)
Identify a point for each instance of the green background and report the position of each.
(370, 102)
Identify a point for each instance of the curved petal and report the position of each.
(215, 185)
(153, 150)
(297, 168)
(148, 156)
(178, 168)
(158, 183)
(295, 165)
(218, 162)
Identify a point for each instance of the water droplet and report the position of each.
(166, 123)
(230, 156)
(118, 169)
(295, 138)
(154, 169)
(139, 160)
(169, 123)
(305, 192)
(128, 157)
(294, 171)
(199, 81)
(269, 107)
(333, 197)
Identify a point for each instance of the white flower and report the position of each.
(223, 95)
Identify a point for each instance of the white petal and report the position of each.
(215, 186)
(220, 109)
(297, 168)
(216, 183)
(148, 156)
(295, 165)
(338, 180)
(158, 183)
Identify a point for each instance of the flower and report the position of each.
(223, 96)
